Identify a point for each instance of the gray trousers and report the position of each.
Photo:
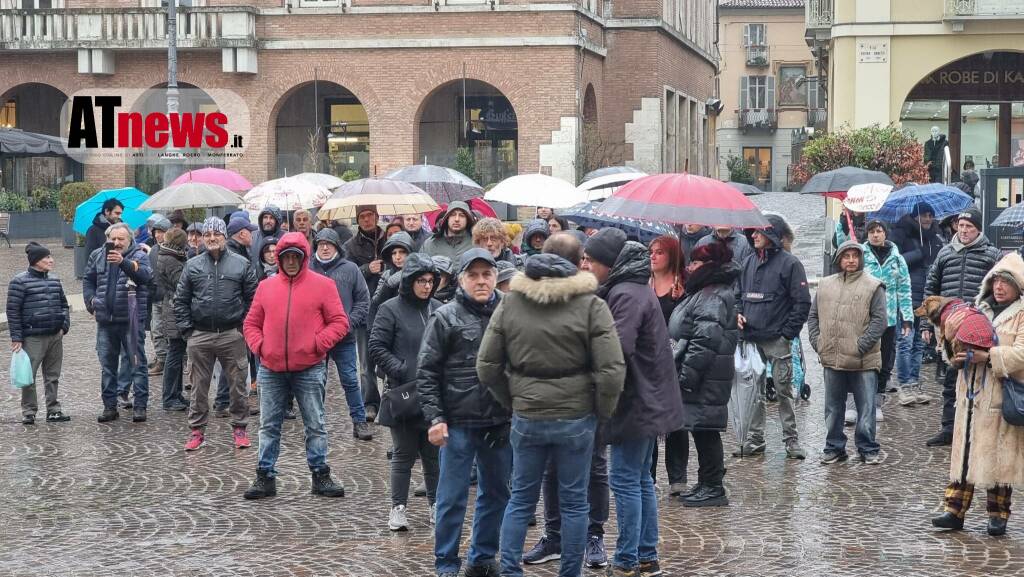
(228, 347)
(779, 353)
(156, 329)
(46, 351)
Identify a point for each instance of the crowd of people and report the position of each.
(528, 360)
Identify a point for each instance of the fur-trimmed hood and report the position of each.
(549, 290)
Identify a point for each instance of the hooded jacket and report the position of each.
(214, 295)
(445, 266)
(737, 242)
(896, 280)
(919, 249)
(105, 287)
(446, 378)
(259, 236)
(551, 350)
(704, 326)
(265, 270)
(364, 248)
(36, 305)
(96, 236)
(533, 228)
(391, 276)
(847, 317)
(958, 270)
(350, 283)
(688, 241)
(650, 404)
(398, 328)
(294, 321)
(774, 297)
(172, 263)
(441, 244)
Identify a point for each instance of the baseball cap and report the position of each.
(472, 255)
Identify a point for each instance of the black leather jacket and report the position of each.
(214, 296)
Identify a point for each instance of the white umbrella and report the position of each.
(868, 197)
(327, 181)
(536, 190)
(387, 196)
(602, 187)
(191, 195)
(288, 194)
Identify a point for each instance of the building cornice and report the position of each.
(659, 25)
(421, 43)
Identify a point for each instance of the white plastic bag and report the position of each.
(746, 386)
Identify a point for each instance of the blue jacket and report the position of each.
(355, 297)
(919, 248)
(895, 278)
(105, 288)
(36, 305)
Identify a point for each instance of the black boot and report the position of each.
(996, 526)
(691, 491)
(324, 485)
(362, 431)
(107, 416)
(707, 496)
(263, 486)
(943, 439)
(138, 414)
(948, 520)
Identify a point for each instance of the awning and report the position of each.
(18, 142)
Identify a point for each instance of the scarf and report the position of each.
(959, 246)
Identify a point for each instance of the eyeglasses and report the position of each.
(424, 282)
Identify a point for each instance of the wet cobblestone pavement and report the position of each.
(83, 498)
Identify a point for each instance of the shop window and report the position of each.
(8, 115)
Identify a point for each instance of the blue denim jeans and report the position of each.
(863, 385)
(909, 350)
(636, 505)
(569, 443)
(110, 339)
(124, 374)
(307, 387)
(494, 464)
(344, 356)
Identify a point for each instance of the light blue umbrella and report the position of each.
(130, 197)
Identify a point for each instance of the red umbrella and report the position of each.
(475, 204)
(684, 199)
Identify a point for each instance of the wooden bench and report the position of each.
(5, 227)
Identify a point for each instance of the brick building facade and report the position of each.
(587, 82)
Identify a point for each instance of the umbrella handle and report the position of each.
(849, 223)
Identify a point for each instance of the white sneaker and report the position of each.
(907, 395)
(851, 417)
(397, 520)
(922, 397)
(433, 514)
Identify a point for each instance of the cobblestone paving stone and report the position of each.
(89, 499)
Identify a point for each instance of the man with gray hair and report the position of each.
(213, 297)
(114, 270)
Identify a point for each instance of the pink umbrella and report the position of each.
(229, 179)
(476, 204)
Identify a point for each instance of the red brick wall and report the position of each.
(432, 25)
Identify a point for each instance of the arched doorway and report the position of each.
(35, 107)
(592, 150)
(322, 127)
(977, 104)
(477, 118)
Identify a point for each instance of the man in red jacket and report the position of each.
(295, 319)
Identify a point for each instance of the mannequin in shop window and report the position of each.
(933, 154)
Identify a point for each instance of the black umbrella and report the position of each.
(746, 189)
(842, 179)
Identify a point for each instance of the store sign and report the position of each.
(992, 76)
(872, 51)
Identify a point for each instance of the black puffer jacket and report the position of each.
(398, 329)
(704, 325)
(919, 248)
(774, 296)
(172, 262)
(214, 295)
(959, 270)
(111, 306)
(36, 306)
(450, 390)
(650, 404)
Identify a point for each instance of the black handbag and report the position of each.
(400, 404)
(1013, 402)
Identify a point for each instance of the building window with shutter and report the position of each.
(755, 35)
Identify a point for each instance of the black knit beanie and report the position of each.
(605, 246)
(36, 252)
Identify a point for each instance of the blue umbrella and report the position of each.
(945, 200)
(584, 214)
(1012, 217)
(130, 197)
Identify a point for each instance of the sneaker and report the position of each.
(28, 420)
(124, 401)
(324, 485)
(433, 514)
(263, 486)
(57, 417)
(650, 568)
(676, 489)
(397, 520)
(290, 414)
(107, 415)
(241, 438)
(871, 458)
(794, 450)
(195, 440)
(614, 571)
(176, 406)
(749, 449)
(907, 397)
(596, 555)
(156, 369)
(420, 490)
(139, 414)
(221, 412)
(940, 440)
(850, 417)
(545, 550)
(362, 431)
(483, 570)
(830, 458)
(371, 414)
(922, 397)
(691, 491)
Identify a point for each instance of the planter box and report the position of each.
(37, 224)
(81, 260)
(67, 235)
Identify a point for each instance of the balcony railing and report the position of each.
(957, 9)
(759, 118)
(757, 56)
(817, 117)
(136, 28)
(818, 14)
